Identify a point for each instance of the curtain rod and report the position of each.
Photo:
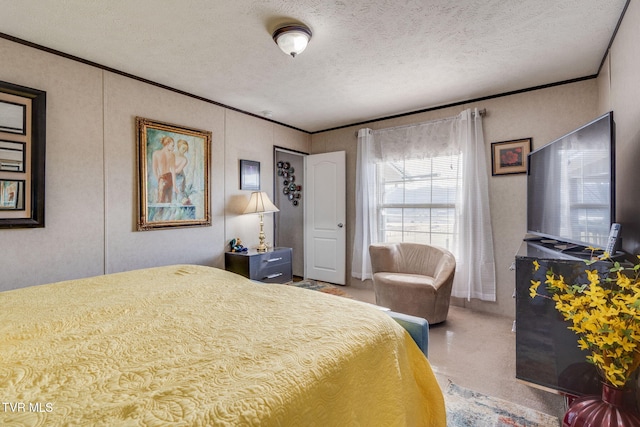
(482, 112)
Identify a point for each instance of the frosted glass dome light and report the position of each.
(292, 39)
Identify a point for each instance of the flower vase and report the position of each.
(607, 410)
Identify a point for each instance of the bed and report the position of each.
(190, 345)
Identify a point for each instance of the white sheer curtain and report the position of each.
(462, 134)
(366, 225)
(475, 267)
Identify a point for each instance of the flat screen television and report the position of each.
(571, 186)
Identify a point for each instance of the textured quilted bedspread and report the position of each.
(198, 346)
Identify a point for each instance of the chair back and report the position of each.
(410, 258)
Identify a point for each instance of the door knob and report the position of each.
(340, 225)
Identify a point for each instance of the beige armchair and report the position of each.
(413, 278)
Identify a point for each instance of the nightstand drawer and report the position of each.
(276, 257)
(273, 266)
(274, 274)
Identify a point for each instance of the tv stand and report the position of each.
(547, 353)
(554, 249)
(564, 250)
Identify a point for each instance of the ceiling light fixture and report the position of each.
(292, 39)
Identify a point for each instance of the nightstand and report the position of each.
(273, 266)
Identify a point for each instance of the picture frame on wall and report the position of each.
(173, 175)
(23, 120)
(12, 194)
(13, 156)
(13, 117)
(510, 157)
(249, 175)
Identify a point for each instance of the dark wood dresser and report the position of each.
(273, 266)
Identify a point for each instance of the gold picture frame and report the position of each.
(510, 157)
(173, 172)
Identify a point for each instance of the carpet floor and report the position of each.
(316, 285)
(466, 408)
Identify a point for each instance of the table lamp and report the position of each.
(260, 203)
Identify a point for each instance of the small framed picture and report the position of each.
(13, 117)
(249, 175)
(11, 194)
(510, 157)
(12, 156)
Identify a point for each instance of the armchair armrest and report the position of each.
(445, 271)
(383, 257)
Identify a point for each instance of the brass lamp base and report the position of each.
(262, 246)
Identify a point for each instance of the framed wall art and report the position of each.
(173, 175)
(11, 194)
(249, 175)
(12, 156)
(510, 157)
(22, 156)
(13, 117)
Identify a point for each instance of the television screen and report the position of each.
(570, 186)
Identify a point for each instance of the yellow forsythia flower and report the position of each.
(533, 289)
(536, 265)
(604, 313)
(593, 277)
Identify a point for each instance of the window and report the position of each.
(416, 200)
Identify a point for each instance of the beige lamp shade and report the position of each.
(260, 203)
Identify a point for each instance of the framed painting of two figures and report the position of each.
(173, 170)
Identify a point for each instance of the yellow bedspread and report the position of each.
(198, 346)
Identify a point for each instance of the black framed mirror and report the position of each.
(22, 156)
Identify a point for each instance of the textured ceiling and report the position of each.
(367, 58)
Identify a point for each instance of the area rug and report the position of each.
(316, 285)
(466, 408)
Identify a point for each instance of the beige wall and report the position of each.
(619, 90)
(91, 178)
(243, 139)
(91, 185)
(543, 115)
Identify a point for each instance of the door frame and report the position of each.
(276, 188)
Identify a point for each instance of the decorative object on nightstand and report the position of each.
(260, 204)
(272, 266)
(236, 245)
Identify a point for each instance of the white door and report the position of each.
(325, 215)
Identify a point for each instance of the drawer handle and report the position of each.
(273, 259)
(273, 276)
